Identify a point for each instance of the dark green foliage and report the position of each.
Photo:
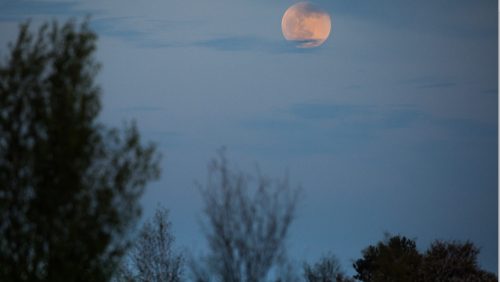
(68, 186)
(152, 256)
(397, 259)
(453, 261)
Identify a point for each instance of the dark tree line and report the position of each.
(397, 259)
(246, 229)
(69, 191)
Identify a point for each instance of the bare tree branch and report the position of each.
(247, 221)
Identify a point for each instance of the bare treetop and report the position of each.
(247, 221)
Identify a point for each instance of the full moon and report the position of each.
(306, 25)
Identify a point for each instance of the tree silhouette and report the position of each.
(327, 269)
(246, 224)
(69, 186)
(152, 258)
(453, 261)
(395, 259)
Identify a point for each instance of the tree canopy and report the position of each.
(398, 259)
(152, 257)
(69, 186)
(453, 261)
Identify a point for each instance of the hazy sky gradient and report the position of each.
(390, 125)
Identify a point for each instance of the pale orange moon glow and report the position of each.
(306, 24)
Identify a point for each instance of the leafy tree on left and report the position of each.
(69, 186)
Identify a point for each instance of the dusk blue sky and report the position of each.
(389, 126)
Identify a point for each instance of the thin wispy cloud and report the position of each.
(437, 85)
(22, 10)
(492, 91)
(460, 128)
(367, 117)
(429, 82)
(253, 43)
(139, 31)
(142, 109)
(391, 117)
